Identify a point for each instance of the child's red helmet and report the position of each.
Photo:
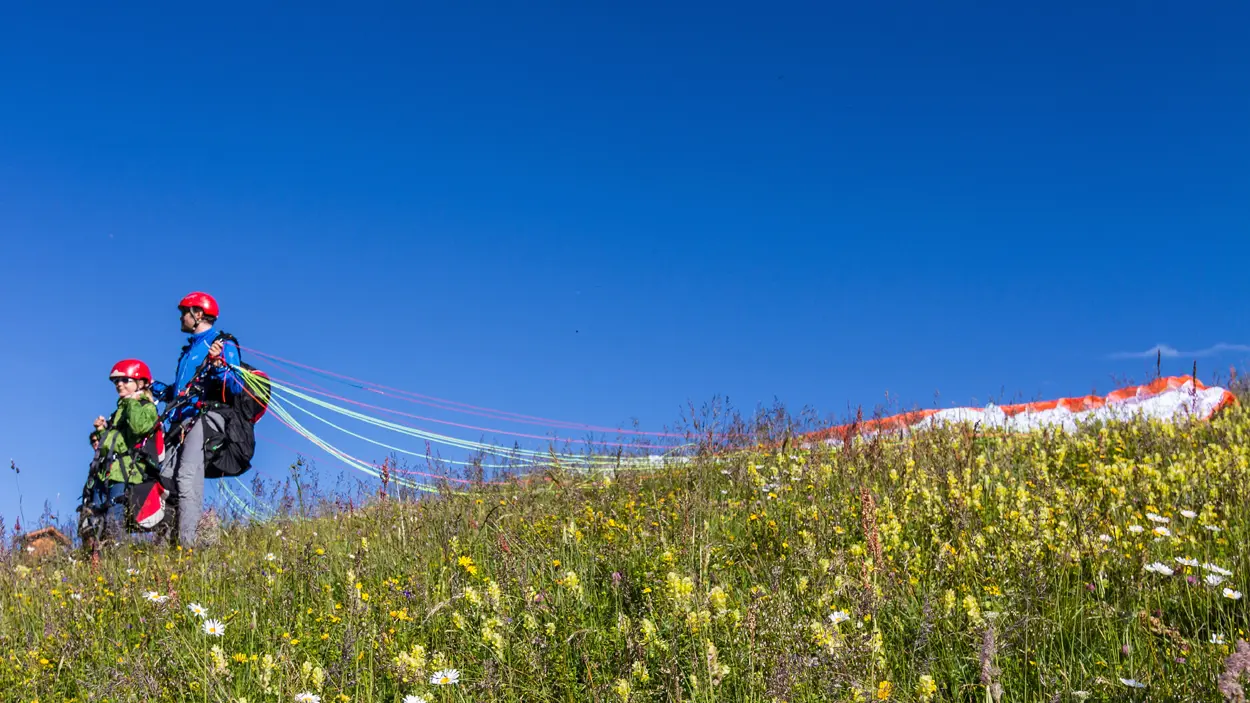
(203, 301)
(131, 368)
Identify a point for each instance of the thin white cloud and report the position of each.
(1170, 352)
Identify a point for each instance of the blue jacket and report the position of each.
(193, 354)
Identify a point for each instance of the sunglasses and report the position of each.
(122, 379)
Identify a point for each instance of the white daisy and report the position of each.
(1104, 538)
(1217, 639)
(1186, 561)
(155, 597)
(1217, 569)
(444, 677)
(1136, 529)
(197, 610)
(1160, 568)
(1132, 683)
(270, 557)
(1189, 514)
(1162, 531)
(839, 616)
(1231, 594)
(414, 699)
(216, 628)
(1212, 528)
(76, 596)
(1214, 579)
(132, 572)
(1154, 517)
(307, 697)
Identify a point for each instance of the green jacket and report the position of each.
(134, 420)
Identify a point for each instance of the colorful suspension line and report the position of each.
(457, 406)
(332, 396)
(458, 443)
(366, 468)
(407, 472)
(225, 489)
(535, 459)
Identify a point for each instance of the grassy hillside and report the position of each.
(947, 567)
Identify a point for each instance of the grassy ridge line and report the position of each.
(939, 567)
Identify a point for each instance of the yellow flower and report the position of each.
(926, 688)
(884, 689)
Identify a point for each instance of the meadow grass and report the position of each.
(948, 565)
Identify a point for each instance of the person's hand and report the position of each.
(214, 352)
(100, 422)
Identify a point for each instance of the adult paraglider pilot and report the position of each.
(205, 364)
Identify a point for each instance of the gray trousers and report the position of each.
(185, 465)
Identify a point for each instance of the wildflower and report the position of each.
(270, 556)
(219, 659)
(132, 572)
(639, 671)
(1156, 518)
(1217, 639)
(972, 609)
(1189, 514)
(926, 688)
(1231, 594)
(1217, 569)
(1081, 695)
(1214, 579)
(622, 689)
(1132, 683)
(216, 628)
(1186, 562)
(1136, 529)
(839, 616)
(154, 597)
(1159, 568)
(467, 563)
(445, 677)
(197, 610)
(884, 689)
(1162, 531)
(414, 699)
(307, 697)
(1104, 537)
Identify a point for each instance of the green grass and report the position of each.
(959, 564)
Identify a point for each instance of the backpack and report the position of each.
(228, 449)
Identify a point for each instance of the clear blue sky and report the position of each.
(599, 214)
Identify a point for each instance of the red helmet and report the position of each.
(203, 301)
(131, 368)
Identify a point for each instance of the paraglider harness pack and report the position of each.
(228, 450)
(144, 502)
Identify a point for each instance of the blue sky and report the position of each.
(600, 213)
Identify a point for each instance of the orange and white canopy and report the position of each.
(1172, 398)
